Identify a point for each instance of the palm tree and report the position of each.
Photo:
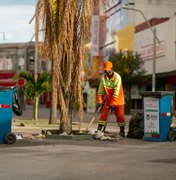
(66, 25)
(34, 89)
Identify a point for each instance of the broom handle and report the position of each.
(93, 118)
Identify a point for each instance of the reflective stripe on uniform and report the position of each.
(100, 122)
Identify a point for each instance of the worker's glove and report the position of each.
(100, 105)
(111, 108)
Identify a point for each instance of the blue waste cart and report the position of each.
(157, 109)
(6, 103)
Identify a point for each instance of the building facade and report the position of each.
(160, 62)
(15, 57)
(122, 30)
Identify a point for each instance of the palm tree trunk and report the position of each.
(66, 27)
(53, 97)
(65, 118)
(36, 108)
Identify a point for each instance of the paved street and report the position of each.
(126, 159)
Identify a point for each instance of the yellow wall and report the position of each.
(125, 38)
(90, 65)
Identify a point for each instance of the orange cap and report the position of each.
(107, 65)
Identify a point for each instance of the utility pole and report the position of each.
(154, 60)
(36, 61)
(36, 51)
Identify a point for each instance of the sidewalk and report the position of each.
(26, 124)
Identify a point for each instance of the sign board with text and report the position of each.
(151, 117)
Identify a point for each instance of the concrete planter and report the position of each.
(52, 134)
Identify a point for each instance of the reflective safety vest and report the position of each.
(111, 90)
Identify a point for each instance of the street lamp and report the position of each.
(154, 43)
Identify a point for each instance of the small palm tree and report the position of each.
(34, 89)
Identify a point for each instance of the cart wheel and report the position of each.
(10, 138)
(171, 136)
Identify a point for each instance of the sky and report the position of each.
(15, 16)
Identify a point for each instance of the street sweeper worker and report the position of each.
(110, 97)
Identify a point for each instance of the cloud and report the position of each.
(14, 21)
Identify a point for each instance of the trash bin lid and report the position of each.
(156, 93)
(3, 88)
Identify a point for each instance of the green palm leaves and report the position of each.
(34, 89)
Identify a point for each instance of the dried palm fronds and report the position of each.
(66, 26)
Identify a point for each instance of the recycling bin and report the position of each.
(6, 100)
(157, 109)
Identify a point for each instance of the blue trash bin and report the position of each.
(6, 100)
(157, 109)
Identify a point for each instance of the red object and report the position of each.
(6, 75)
(152, 22)
(5, 106)
(165, 114)
(155, 135)
(47, 99)
(6, 79)
(21, 82)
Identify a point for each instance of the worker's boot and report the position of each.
(122, 131)
(100, 132)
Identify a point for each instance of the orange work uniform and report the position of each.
(110, 93)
